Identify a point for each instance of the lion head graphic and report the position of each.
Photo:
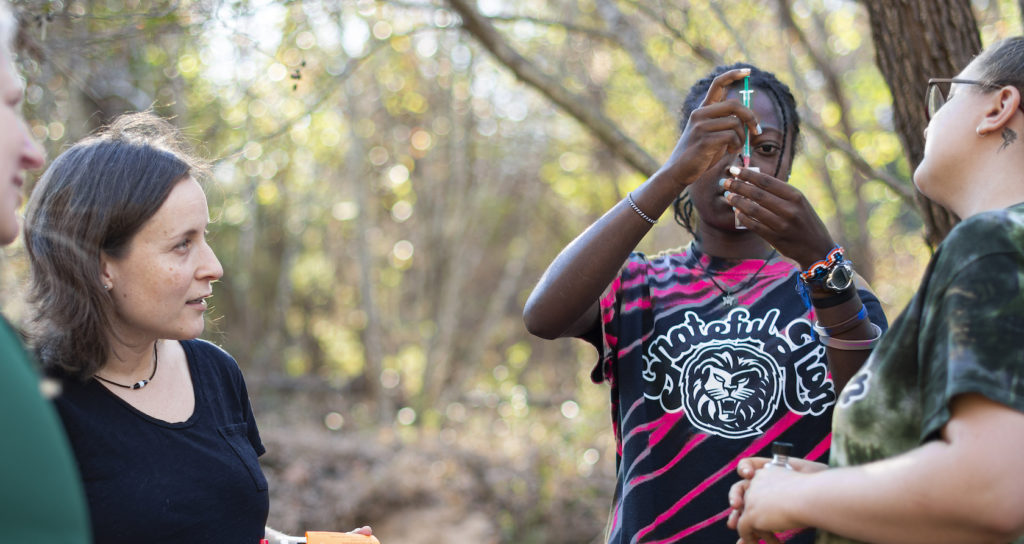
(730, 390)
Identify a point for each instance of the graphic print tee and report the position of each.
(950, 340)
(697, 384)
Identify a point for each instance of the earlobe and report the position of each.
(106, 276)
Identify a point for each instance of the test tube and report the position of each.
(740, 226)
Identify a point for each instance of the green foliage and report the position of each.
(385, 195)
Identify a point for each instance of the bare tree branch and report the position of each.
(633, 43)
(819, 60)
(571, 27)
(576, 106)
(578, 29)
(330, 90)
(838, 226)
(898, 186)
(862, 246)
(706, 54)
(724, 21)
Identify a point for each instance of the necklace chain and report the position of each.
(730, 296)
(139, 384)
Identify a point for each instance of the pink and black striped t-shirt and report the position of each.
(697, 385)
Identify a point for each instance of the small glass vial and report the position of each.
(780, 455)
(736, 219)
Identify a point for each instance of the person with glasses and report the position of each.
(928, 435)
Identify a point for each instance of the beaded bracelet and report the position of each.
(853, 345)
(835, 255)
(840, 328)
(629, 196)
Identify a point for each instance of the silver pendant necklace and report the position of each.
(729, 298)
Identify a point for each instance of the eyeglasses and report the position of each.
(938, 92)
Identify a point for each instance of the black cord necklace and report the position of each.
(729, 300)
(139, 384)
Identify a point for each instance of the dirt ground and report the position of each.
(422, 491)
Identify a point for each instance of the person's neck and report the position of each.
(731, 245)
(994, 184)
(129, 360)
(988, 194)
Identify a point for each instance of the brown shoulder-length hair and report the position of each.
(91, 201)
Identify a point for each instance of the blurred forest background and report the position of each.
(391, 178)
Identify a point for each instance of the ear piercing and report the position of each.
(106, 286)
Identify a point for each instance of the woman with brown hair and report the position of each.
(159, 420)
(121, 270)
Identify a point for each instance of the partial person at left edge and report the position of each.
(41, 496)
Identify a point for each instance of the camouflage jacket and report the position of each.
(956, 336)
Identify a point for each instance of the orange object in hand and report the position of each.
(325, 537)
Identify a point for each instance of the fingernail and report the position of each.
(722, 182)
(745, 70)
(758, 129)
(734, 170)
(726, 195)
(745, 470)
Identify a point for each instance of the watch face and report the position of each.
(840, 277)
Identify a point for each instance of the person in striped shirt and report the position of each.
(710, 350)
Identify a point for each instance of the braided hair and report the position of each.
(785, 105)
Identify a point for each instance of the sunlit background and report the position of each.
(386, 193)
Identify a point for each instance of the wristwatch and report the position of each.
(839, 276)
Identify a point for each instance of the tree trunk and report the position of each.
(915, 40)
(372, 334)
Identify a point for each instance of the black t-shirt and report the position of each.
(698, 383)
(151, 481)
